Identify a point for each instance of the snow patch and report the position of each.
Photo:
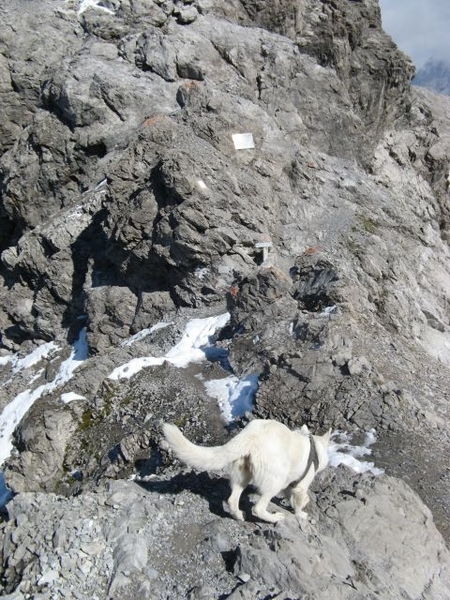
(342, 452)
(137, 337)
(191, 348)
(19, 364)
(201, 273)
(234, 396)
(78, 355)
(83, 5)
(69, 396)
(14, 411)
(102, 183)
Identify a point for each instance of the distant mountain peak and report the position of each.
(435, 75)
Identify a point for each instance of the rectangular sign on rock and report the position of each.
(243, 141)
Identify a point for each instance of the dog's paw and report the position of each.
(264, 515)
(301, 514)
(238, 515)
(276, 517)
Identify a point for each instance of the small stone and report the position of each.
(341, 358)
(187, 15)
(48, 577)
(356, 366)
(20, 553)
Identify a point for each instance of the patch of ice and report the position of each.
(371, 437)
(234, 396)
(191, 348)
(196, 335)
(134, 366)
(343, 453)
(75, 213)
(78, 355)
(14, 411)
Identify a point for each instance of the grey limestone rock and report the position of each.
(327, 561)
(368, 537)
(41, 438)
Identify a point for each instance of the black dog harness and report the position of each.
(313, 459)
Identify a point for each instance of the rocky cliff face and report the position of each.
(125, 204)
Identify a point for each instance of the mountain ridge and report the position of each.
(126, 206)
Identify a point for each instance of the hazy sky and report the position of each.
(421, 28)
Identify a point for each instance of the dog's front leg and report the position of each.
(299, 499)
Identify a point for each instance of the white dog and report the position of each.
(266, 454)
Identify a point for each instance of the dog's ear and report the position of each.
(326, 436)
(304, 429)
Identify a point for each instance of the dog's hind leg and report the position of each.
(239, 479)
(260, 509)
(233, 500)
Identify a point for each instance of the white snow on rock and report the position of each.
(191, 348)
(234, 396)
(144, 333)
(83, 5)
(19, 364)
(14, 411)
(70, 396)
(344, 453)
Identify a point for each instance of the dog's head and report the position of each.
(325, 437)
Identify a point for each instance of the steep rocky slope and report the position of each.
(125, 204)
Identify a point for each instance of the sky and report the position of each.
(419, 27)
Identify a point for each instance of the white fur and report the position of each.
(267, 454)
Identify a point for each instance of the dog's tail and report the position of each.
(202, 458)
